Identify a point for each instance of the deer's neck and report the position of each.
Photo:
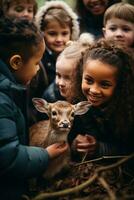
(56, 136)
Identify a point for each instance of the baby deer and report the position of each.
(44, 133)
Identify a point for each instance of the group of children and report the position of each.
(76, 68)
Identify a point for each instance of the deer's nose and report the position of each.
(65, 124)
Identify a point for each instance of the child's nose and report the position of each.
(119, 32)
(59, 38)
(61, 82)
(94, 89)
(25, 13)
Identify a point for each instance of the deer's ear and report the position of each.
(82, 107)
(41, 105)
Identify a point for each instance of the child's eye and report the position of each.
(105, 85)
(19, 9)
(52, 33)
(65, 33)
(30, 10)
(126, 29)
(89, 81)
(58, 75)
(112, 28)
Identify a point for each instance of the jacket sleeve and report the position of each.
(107, 148)
(19, 160)
(107, 143)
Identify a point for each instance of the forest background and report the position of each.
(72, 2)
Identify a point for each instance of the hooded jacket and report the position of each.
(59, 4)
(18, 160)
(49, 58)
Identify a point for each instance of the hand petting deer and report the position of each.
(44, 133)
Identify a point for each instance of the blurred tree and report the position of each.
(70, 2)
(129, 1)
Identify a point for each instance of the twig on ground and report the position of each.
(96, 175)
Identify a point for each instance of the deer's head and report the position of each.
(61, 113)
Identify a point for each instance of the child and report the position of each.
(119, 23)
(21, 48)
(19, 9)
(91, 15)
(69, 76)
(59, 24)
(108, 84)
(26, 10)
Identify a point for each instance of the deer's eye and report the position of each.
(54, 113)
(72, 114)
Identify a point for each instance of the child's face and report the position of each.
(64, 76)
(98, 82)
(56, 36)
(120, 30)
(96, 7)
(28, 70)
(21, 10)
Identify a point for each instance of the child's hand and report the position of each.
(57, 149)
(85, 143)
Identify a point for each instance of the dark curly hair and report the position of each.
(121, 106)
(18, 37)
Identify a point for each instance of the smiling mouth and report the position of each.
(94, 99)
(59, 45)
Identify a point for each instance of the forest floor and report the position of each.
(105, 178)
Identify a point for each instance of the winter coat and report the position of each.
(35, 89)
(95, 123)
(59, 4)
(49, 57)
(18, 161)
(49, 63)
(52, 93)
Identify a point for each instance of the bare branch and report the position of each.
(107, 187)
(84, 185)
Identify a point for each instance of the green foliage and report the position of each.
(70, 2)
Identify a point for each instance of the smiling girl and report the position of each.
(108, 84)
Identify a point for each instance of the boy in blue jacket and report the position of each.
(21, 49)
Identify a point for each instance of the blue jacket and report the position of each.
(18, 161)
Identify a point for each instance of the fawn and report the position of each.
(44, 133)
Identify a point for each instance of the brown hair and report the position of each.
(5, 4)
(122, 10)
(57, 14)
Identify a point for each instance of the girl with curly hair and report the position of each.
(108, 84)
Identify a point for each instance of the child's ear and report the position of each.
(103, 30)
(16, 62)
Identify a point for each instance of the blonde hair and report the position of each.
(122, 10)
(75, 51)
